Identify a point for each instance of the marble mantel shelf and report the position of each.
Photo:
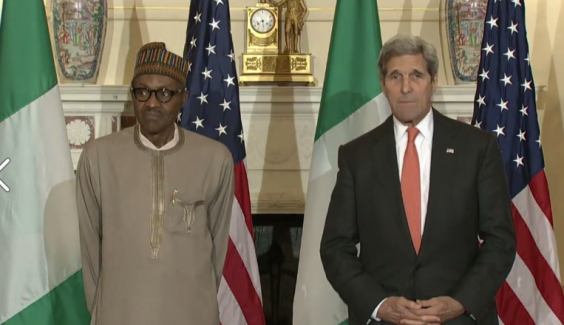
(279, 125)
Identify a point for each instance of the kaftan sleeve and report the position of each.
(220, 210)
(89, 215)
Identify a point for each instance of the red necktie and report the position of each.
(411, 188)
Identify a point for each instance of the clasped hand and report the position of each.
(435, 311)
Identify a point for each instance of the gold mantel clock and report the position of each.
(262, 29)
(263, 62)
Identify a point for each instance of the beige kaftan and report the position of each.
(154, 228)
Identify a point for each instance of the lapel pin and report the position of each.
(450, 150)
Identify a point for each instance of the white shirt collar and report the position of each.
(168, 145)
(425, 127)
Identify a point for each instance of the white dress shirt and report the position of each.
(168, 145)
(423, 143)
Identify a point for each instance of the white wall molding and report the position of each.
(102, 95)
(279, 125)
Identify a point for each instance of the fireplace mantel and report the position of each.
(279, 125)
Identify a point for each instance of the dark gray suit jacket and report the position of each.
(468, 197)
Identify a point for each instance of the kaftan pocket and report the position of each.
(187, 216)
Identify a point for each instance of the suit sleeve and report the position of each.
(220, 209)
(338, 249)
(89, 217)
(477, 290)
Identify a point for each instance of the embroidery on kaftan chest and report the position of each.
(157, 184)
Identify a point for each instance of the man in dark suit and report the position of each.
(418, 193)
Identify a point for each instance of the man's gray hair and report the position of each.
(408, 44)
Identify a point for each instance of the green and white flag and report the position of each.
(40, 267)
(352, 103)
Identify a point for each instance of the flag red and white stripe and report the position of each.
(240, 296)
(532, 294)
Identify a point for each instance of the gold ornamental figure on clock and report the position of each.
(263, 61)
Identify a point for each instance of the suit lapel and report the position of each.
(443, 161)
(387, 174)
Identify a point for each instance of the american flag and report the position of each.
(505, 104)
(213, 110)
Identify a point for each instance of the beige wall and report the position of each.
(133, 23)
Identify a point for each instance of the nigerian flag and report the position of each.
(40, 278)
(352, 103)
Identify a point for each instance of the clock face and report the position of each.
(262, 21)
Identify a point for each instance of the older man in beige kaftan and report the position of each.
(154, 205)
